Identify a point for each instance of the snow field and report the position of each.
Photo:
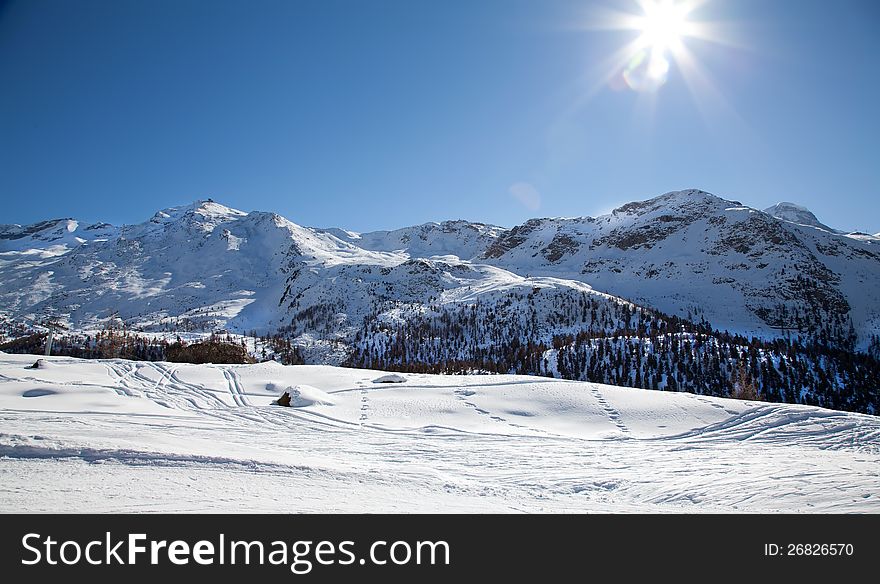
(117, 435)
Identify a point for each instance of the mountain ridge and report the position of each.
(257, 270)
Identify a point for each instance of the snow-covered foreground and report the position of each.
(117, 436)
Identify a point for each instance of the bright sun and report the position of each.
(663, 25)
(662, 31)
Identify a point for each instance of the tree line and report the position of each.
(605, 341)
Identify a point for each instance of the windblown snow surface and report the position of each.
(122, 436)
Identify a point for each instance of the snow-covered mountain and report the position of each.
(462, 239)
(692, 253)
(205, 266)
(200, 265)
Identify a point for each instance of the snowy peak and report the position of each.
(202, 215)
(796, 214)
(463, 239)
(630, 226)
(45, 230)
(206, 208)
(56, 234)
(686, 200)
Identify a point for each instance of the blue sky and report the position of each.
(380, 114)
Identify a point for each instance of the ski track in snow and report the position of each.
(707, 401)
(123, 436)
(234, 387)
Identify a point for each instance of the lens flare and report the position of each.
(646, 71)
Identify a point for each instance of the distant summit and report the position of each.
(797, 214)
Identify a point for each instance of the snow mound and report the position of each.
(390, 378)
(302, 396)
(40, 364)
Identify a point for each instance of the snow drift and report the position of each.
(302, 396)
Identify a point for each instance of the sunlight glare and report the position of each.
(663, 25)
